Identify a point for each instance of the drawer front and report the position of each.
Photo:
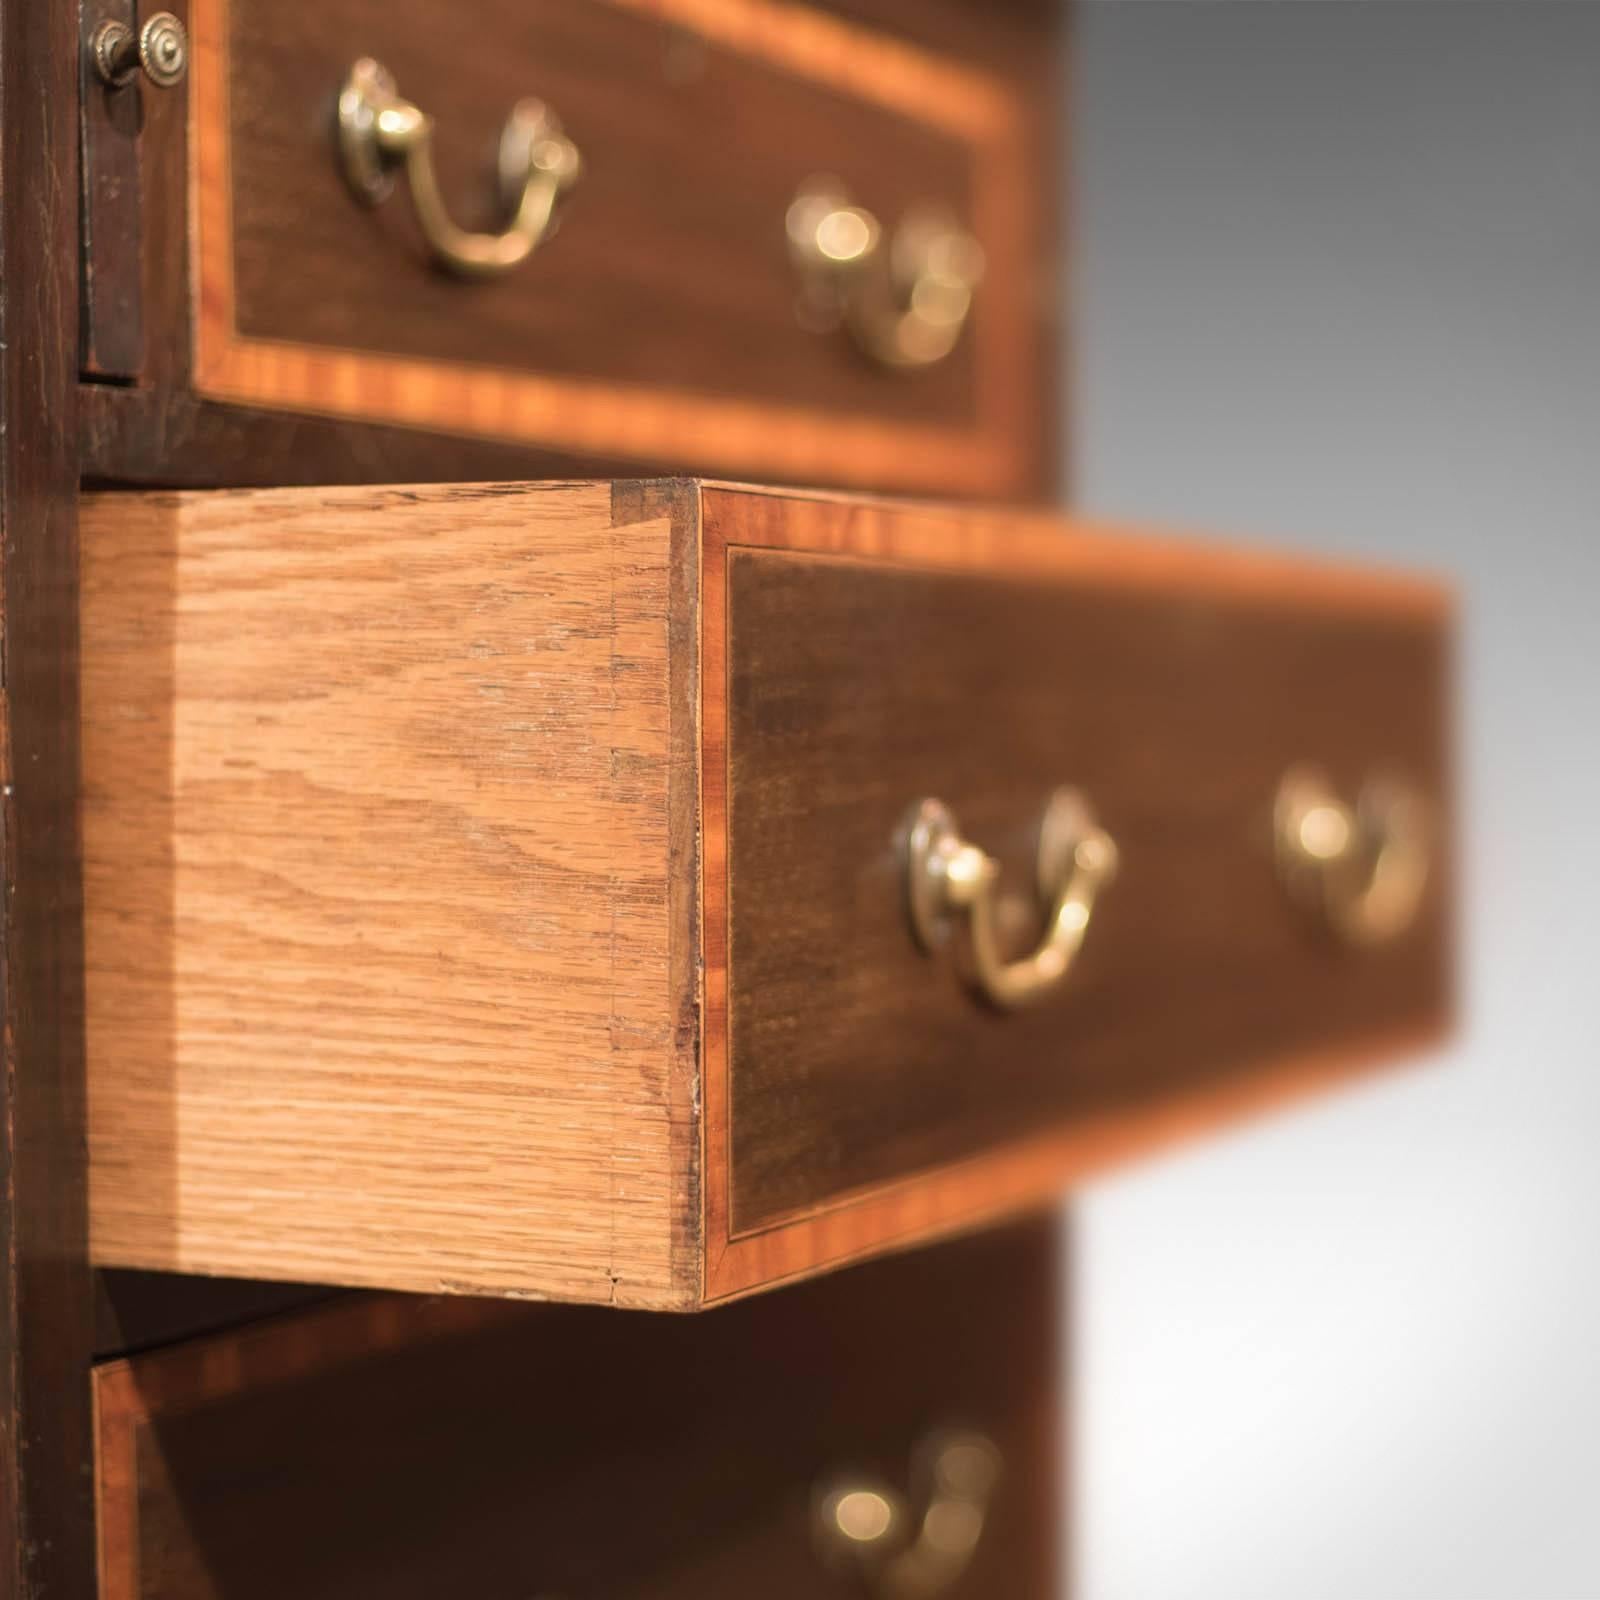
(397, 1448)
(661, 322)
(876, 658)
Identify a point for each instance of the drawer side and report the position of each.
(371, 779)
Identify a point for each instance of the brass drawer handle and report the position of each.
(379, 131)
(949, 881)
(1360, 869)
(869, 1532)
(904, 302)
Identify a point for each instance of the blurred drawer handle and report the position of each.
(1361, 869)
(949, 880)
(379, 131)
(869, 1531)
(906, 303)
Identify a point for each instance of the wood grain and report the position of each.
(412, 1448)
(659, 327)
(376, 820)
(161, 433)
(495, 889)
(855, 691)
(693, 146)
(46, 1308)
(914, 1164)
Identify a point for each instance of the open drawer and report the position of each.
(533, 889)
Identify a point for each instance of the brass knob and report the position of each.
(1360, 869)
(379, 131)
(871, 1534)
(904, 302)
(161, 48)
(950, 882)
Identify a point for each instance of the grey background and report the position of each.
(1336, 285)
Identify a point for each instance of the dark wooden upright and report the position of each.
(46, 1511)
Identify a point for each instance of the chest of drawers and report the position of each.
(473, 836)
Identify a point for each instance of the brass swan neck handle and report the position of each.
(950, 881)
(870, 1532)
(1361, 869)
(379, 131)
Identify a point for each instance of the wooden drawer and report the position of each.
(661, 324)
(504, 889)
(400, 1447)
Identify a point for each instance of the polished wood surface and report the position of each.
(855, 1058)
(376, 794)
(398, 1448)
(693, 148)
(46, 1539)
(660, 325)
(1192, 590)
(495, 889)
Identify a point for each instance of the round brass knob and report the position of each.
(160, 49)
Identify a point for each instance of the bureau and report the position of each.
(559, 751)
